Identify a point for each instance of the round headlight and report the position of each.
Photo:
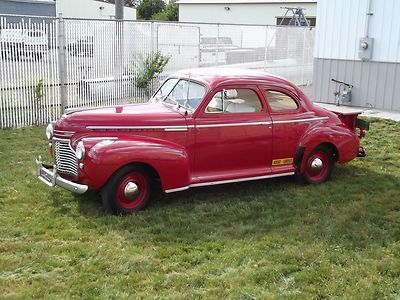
(80, 151)
(49, 131)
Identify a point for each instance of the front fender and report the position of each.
(104, 158)
(344, 140)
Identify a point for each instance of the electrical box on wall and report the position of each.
(365, 48)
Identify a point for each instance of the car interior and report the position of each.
(234, 101)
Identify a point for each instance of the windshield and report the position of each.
(165, 89)
(185, 93)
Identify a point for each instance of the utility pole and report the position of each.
(119, 45)
(119, 9)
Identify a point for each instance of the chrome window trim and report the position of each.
(228, 181)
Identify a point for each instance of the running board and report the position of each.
(227, 181)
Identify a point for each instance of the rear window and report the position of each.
(280, 102)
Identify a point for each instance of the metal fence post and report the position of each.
(62, 62)
(157, 37)
(266, 48)
(217, 46)
(118, 60)
(152, 38)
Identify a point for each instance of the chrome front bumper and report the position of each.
(51, 178)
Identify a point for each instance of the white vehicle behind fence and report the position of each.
(213, 50)
(28, 43)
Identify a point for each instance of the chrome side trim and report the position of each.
(165, 128)
(300, 120)
(78, 109)
(228, 181)
(185, 128)
(65, 133)
(89, 139)
(178, 189)
(176, 129)
(233, 124)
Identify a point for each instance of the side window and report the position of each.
(280, 102)
(234, 101)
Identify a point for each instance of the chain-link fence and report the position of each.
(50, 64)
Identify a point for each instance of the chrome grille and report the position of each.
(65, 158)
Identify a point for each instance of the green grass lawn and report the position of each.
(257, 240)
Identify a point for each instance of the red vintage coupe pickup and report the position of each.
(202, 127)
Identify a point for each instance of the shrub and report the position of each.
(152, 66)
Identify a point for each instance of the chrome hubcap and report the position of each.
(317, 165)
(131, 191)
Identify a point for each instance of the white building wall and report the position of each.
(243, 13)
(341, 24)
(91, 9)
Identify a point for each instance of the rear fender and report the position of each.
(104, 158)
(343, 139)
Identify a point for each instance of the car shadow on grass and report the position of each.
(354, 209)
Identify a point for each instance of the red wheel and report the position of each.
(127, 191)
(318, 166)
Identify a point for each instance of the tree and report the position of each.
(148, 8)
(170, 13)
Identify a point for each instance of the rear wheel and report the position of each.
(127, 191)
(318, 166)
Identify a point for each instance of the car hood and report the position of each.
(146, 114)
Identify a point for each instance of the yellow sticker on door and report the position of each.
(282, 161)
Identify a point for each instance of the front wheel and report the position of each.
(318, 166)
(127, 191)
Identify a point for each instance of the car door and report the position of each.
(290, 121)
(233, 135)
